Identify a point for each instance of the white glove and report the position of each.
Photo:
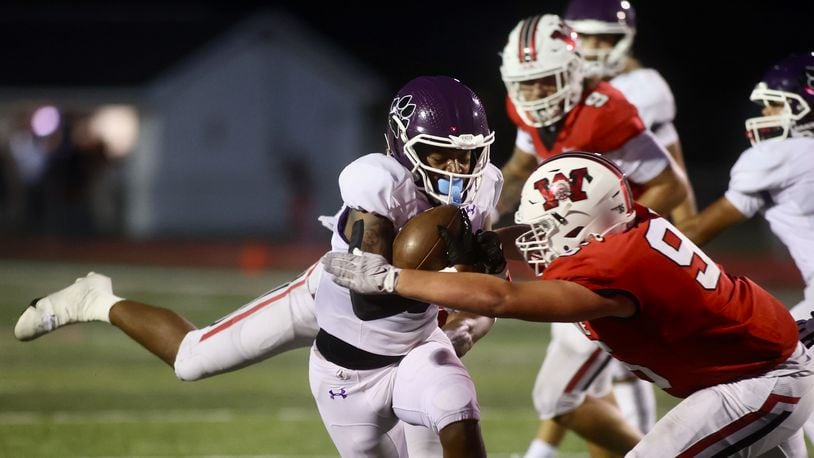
(365, 273)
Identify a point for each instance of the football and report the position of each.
(418, 245)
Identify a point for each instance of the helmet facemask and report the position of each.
(443, 186)
(549, 109)
(606, 62)
(777, 126)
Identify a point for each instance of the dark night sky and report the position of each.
(711, 59)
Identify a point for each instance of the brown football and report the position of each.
(418, 245)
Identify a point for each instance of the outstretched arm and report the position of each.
(540, 300)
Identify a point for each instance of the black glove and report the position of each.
(805, 329)
(461, 249)
(490, 252)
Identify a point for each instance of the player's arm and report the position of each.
(508, 236)
(377, 234)
(648, 164)
(539, 300)
(688, 207)
(664, 192)
(713, 220)
(515, 172)
(372, 233)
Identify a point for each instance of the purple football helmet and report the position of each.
(603, 17)
(439, 112)
(789, 85)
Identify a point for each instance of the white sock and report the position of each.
(540, 449)
(98, 308)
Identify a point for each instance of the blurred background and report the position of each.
(186, 149)
(226, 121)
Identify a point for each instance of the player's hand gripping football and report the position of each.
(482, 250)
(365, 273)
(461, 249)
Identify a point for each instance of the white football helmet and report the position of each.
(568, 199)
(539, 47)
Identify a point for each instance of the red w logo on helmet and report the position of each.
(561, 187)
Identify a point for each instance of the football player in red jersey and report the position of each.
(641, 289)
(557, 109)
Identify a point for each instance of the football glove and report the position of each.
(365, 273)
(460, 250)
(490, 252)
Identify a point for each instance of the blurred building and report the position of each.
(244, 137)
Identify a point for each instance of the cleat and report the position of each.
(82, 301)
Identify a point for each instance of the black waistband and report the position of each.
(346, 355)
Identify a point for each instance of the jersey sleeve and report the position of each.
(615, 120)
(485, 201)
(755, 172)
(378, 184)
(649, 92)
(642, 158)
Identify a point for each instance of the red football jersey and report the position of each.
(601, 122)
(696, 326)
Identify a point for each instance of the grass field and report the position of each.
(88, 391)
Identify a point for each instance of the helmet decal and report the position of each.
(561, 188)
(401, 109)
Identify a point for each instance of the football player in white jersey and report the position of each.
(606, 30)
(279, 320)
(377, 361)
(775, 176)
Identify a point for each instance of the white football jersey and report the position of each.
(777, 179)
(649, 92)
(379, 184)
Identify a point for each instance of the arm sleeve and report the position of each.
(749, 178)
(642, 158)
(666, 134)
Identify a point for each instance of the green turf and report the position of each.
(87, 390)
